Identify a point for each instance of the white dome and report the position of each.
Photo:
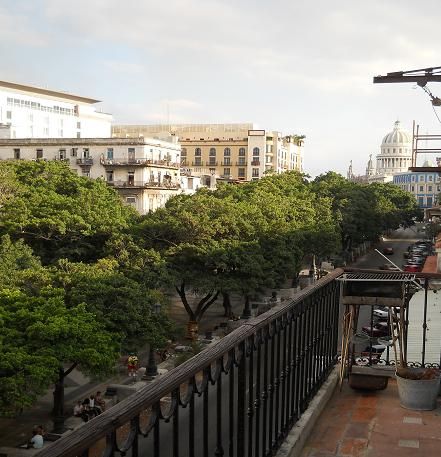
(397, 136)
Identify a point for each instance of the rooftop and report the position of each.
(48, 92)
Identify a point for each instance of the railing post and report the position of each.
(241, 401)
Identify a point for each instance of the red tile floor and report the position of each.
(372, 424)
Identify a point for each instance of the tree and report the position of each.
(122, 306)
(60, 214)
(43, 341)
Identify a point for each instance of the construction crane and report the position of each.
(421, 77)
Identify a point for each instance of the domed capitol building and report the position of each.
(395, 156)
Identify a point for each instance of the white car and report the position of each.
(381, 313)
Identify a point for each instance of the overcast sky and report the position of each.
(302, 67)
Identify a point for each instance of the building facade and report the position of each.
(423, 182)
(395, 156)
(237, 152)
(33, 112)
(145, 172)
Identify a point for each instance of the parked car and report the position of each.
(381, 313)
(388, 251)
(379, 329)
(413, 268)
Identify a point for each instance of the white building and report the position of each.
(395, 156)
(145, 171)
(33, 112)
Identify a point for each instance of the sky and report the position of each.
(295, 66)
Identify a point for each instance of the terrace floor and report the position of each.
(373, 424)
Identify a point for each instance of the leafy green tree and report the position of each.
(121, 305)
(42, 342)
(60, 214)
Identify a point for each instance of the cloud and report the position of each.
(19, 29)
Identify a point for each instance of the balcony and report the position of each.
(227, 163)
(212, 164)
(144, 184)
(255, 162)
(243, 395)
(124, 162)
(197, 164)
(241, 164)
(85, 161)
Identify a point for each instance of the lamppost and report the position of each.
(152, 369)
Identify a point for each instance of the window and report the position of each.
(429, 201)
(46, 131)
(78, 125)
(429, 188)
(255, 173)
(184, 152)
(227, 161)
(421, 188)
(212, 161)
(197, 152)
(74, 152)
(62, 154)
(421, 178)
(16, 153)
(131, 178)
(430, 178)
(413, 188)
(256, 152)
(212, 152)
(109, 176)
(227, 152)
(110, 153)
(241, 161)
(420, 201)
(78, 134)
(8, 114)
(241, 172)
(39, 153)
(85, 153)
(413, 178)
(241, 152)
(227, 172)
(197, 161)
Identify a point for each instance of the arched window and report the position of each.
(197, 152)
(227, 152)
(256, 152)
(212, 152)
(241, 152)
(184, 151)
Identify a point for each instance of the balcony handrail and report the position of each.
(139, 161)
(147, 184)
(81, 439)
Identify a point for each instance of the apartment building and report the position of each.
(423, 182)
(238, 152)
(145, 171)
(34, 112)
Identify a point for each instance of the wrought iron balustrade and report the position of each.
(239, 397)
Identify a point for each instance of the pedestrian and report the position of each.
(79, 411)
(36, 442)
(93, 407)
(100, 402)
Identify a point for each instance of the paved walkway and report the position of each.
(372, 424)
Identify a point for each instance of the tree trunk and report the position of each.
(246, 313)
(226, 303)
(58, 410)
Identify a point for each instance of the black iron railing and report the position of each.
(239, 397)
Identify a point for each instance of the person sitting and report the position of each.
(80, 412)
(100, 402)
(93, 406)
(36, 442)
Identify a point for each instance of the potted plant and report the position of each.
(418, 388)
